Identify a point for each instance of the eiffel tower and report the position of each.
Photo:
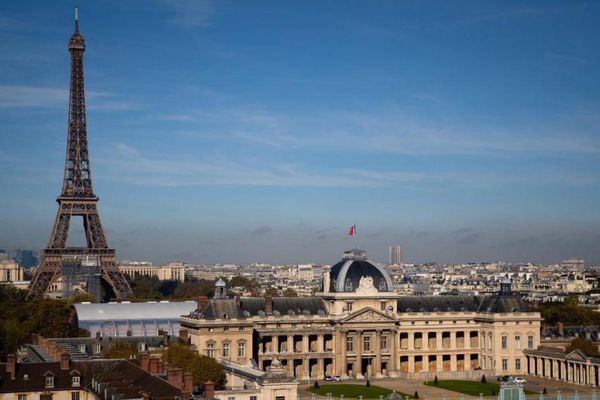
(61, 265)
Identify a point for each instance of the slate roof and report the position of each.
(123, 377)
(127, 380)
(31, 376)
(569, 332)
(253, 306)
(493, 304)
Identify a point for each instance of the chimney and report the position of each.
(145, 361)
(184, 335)
(561, 328)
(98, 336)
(268, 304)
(238, 301)
(202, 302)
(153, 365)
(175, 377)
(209, 390)
(188, 383)
(11, 365)
(65, 362)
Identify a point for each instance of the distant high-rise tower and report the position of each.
(395, 254)
(64, 270)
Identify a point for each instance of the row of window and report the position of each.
(366, 344)
(505, 364)
(226, 349)
(48, 396)
(504, 341)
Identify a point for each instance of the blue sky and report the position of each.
(226, 131)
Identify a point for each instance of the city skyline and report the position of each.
(215, 139)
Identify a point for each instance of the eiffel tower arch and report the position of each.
(64, 271)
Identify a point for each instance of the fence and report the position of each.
(508, 393)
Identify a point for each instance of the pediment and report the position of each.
(368, 314)
(576, 355)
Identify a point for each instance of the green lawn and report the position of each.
(472, 388)
(352, 391)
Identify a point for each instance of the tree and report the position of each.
(316, 385)
(290, 292)
(483, 380)
(571, 300)
(435, 381)
(544, 391)
(586, 346)
(120, 349)
(416, 396)
(21, 318)
(203, 368)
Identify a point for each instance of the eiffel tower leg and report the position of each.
(115, 278)
(45, 275)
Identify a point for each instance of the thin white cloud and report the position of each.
(127, 164)
(191, 13)
(31, 96)
(42, 96)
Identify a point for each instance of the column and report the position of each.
(340, 354)
(453, 340)
(275, 343)
(305, 348)
(411, 340)
(438, 340)
(452, 361)
(358, 351)
(320, 369)
(320, 344)
(394, 343)
(290, 343)
(411, 363)
(377, 366)
(439, 362)
(425, 340)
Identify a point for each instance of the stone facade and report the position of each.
(357, 326)
(574, 367)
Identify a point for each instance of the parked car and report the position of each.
(504, 378)
(337, 378)
(328, 378)
(519, 380)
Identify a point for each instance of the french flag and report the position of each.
(352, 230)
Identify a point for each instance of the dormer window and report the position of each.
(49, 382)
(76, 382)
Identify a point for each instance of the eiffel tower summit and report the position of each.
(67, 271)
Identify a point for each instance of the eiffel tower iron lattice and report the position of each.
(77, 198)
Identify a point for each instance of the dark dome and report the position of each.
(346, 275)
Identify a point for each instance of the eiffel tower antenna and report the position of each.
(77, 19)
(62, 268)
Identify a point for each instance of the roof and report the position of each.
(493, 304)
(31, 376)
(133, 311)
(253, 306)
(346, 275)
(127, 380)
(121, 376)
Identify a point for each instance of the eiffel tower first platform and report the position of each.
(65, 271)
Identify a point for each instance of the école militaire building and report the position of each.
(358, 326)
